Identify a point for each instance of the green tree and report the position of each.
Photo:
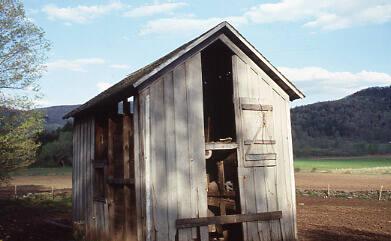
(23, 50)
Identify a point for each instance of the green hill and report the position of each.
(359, 124)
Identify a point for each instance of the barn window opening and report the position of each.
(220, 139)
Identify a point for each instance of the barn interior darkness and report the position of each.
(220, 132)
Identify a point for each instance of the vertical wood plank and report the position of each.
(74, 144)
(110, 173)
(137, 167)
(182, 151)
(238, 72)
(291, 175)
(170, 154)
(158, 161)
(147, 168)
(196, 141)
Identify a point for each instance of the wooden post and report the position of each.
(380, 192)
(110, 173)
(128, 159)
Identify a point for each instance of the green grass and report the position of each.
(341, 163)
(40, 171)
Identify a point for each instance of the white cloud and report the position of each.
(81, 13)
(41, 102)
(186, 25)
(326, 15)
(103, 85)
(120, 66)
(153, 9)
(74, 64)
(320, 84)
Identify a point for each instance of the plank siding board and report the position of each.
(158, 160)
(239, 72)
(74, 167)
(182, 151)
(281, 174)
(137, 167)
(196, 141)
(291, 169)
(170, 154)
(147, 168)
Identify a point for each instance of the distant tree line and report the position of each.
(359, 124)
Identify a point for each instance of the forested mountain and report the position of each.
(355, 125)
(54, 114)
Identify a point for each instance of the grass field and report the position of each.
(37, 171)
(330, 164)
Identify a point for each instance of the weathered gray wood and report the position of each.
(228, 219)
(196, 142)
(182, 149)
(74, 139)
(242, 56)
(147, 168)
(262, 142)
(158, 160)
(250, 199)
(137, 168)
(257, 107)
(261, 157)
(291, 178)
(170, 154)
(237, 72)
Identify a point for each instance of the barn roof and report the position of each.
(128, 85)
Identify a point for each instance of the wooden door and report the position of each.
(254, 117)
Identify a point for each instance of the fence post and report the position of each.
(381, 190)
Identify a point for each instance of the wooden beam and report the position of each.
(261, 157)
(262, 142)
(220, 146)
(120, 181)
(227, 219)
(257, 107)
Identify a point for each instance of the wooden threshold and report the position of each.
(220, 146)
(227, 219)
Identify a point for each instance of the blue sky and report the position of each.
(329, 49)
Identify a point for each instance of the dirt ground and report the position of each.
(318, 219)
(343, 219)
(23, 221)
(58, 182)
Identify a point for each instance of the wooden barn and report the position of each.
(194, 146)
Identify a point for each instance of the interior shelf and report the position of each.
(220, 146)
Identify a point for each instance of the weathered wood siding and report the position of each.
(82, 172)
(172, 144)
(266, 184)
